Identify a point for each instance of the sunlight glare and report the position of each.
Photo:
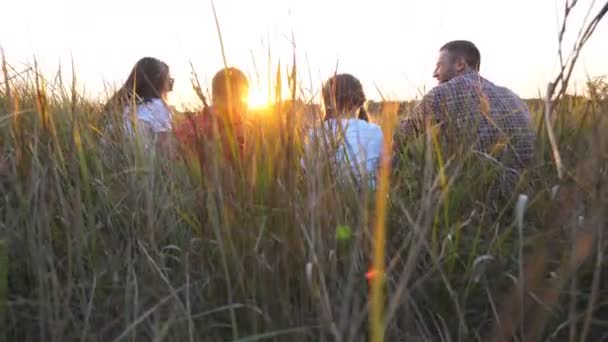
(257, 99)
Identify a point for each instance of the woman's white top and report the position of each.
(361, 146)
(153, 116)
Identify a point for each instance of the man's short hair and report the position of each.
(231, 78)
(464, 49)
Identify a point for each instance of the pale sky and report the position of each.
(390, 45)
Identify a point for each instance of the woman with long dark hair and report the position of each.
(142, 100)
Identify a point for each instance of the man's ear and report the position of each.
(461, 64)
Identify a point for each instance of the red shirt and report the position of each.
(195, 130)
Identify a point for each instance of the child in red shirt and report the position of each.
(222, 121)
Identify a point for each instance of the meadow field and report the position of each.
(103, 242)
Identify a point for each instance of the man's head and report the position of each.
(455, 58)
(230, 91)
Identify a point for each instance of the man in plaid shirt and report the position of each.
(469, 109)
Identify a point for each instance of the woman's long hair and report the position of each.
(149, 79)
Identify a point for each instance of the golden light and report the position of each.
(258, 99)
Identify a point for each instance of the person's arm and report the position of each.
(414, 123)
(417, 122)
(159, 121)
(411, 125)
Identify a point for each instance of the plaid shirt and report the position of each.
(469, 108)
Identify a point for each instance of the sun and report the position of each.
(257, 99)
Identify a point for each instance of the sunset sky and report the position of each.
(390, 45)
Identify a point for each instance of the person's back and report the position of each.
(471, 108)
(196, 130)
(140, 103)
(472, 112)
(359, 143)
(223, 122)
(153, 117)
(346, 130)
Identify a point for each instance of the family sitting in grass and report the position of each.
(466, 108)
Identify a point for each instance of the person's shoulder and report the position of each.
(460, 82)
(201, 119)
(442, 89)
(371, 127)
(158, 105)
(377, 129)
(374, 126)
(155, 107)
(504, 92)
(507, 91)
(489, 85)
(431, 97)
(156, 102)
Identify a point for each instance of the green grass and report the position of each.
(106, 243)
(3, 287)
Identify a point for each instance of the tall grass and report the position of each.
(107, 243)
